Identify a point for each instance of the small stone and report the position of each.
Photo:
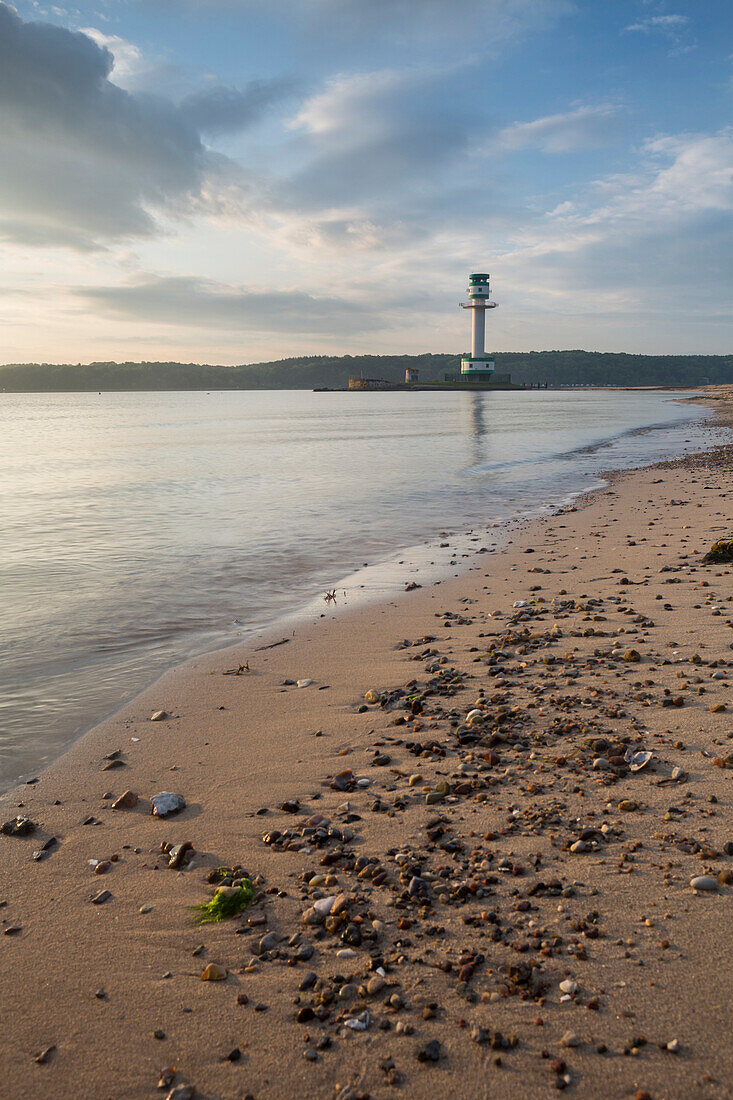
(579, 846)
(214, 973)
(145, 909)
(180, 854)
(159, 716)
(305, 1014)
(632, 656)
(167, 803)
(159, 1034)
(101, 897)
(181, 1092)
(102, 867)
(343, 781)
(431, 1052)
(18, 826)
(704, 882)
(126, 801)
(304, 683)
(570, 1039)
(308, 981)
(45, 1056)
(674, 1046)
(569, 986)
(628, 805)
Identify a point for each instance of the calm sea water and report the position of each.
(139, 529)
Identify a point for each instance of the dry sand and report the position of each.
(501, 910)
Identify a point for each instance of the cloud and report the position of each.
(379, 159)
(226, 110)
(668, 25)
(358, 24)
(204, 303)
(655, 239)
(561, 133)
(129, 63)
(86, 162)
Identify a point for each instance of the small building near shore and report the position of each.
(412, 374)
(370, 384)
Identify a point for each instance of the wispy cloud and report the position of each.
(205, 303)
(581, 128)
(669, 25)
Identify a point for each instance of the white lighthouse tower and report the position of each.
(478, 366)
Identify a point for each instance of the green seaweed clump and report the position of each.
(227, 902)
(719, 553)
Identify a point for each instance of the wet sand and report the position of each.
(486, 862)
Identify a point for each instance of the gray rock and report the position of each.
(418, 887)
(181, 1092)
(704, 882)
(308, 981)
(167, 803)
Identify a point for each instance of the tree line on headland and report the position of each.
(557, 368)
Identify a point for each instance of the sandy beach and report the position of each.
(471, 834)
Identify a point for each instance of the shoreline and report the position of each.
(237, 745)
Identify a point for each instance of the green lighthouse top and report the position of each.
(478, 278)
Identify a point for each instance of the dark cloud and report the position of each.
(226, 110)
(85, 162)
(187, 300)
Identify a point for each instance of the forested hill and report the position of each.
(558, 368)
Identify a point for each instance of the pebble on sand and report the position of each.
(126, 801)
(214, 973)
(167, 803)
(703, 882)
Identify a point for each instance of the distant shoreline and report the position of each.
(558, 369)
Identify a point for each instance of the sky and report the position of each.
(230, 181)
